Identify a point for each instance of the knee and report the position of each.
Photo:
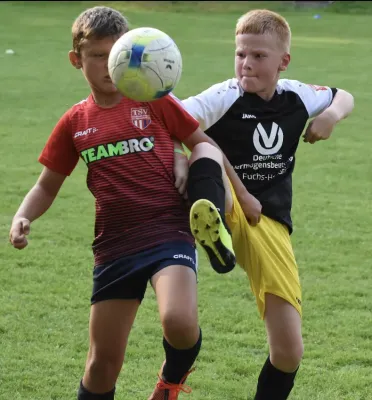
(287, 358)
(180, 330)
(204, 149)
(104, 368)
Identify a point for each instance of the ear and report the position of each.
(75, 59)
(285, 62)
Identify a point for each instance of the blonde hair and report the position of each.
(261, 22)
(97, 22)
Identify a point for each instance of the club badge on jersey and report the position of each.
(141, 117)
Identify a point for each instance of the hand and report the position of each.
(181, 173)
(251, 207)
(19, 230)
(321, 127)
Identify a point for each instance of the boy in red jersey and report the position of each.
(142, 223)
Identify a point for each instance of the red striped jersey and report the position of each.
(129, 153)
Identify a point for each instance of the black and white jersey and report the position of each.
(260, 137)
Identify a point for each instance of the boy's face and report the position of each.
(93, 61)
(258, 62)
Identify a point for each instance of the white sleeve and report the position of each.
(209, 106)
(315, 98)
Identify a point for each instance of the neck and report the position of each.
(107, 100)
(267, 95)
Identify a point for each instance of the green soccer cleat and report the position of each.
(210, 232)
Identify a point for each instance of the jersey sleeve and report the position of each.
(178, 121)
(211, 105)
(315, 98)
(59, 153)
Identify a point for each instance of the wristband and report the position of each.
(179, 151)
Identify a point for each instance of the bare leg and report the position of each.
(110, 324)
(283, 325)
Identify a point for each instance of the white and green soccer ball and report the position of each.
(145, 64)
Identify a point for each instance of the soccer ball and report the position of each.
(145, 64)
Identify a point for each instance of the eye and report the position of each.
(240, 55)
(259, 55)
(99, 55)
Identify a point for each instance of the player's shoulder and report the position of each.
(227, 89)
(164, 105)
(314, 98)
(80, 106)
(211, 105)
(228, 85)
(218, 98)
(291, 85)
(301, 88)
(302, 91)
(77, 111)
(170, 98)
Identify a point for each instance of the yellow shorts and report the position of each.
(265, 253)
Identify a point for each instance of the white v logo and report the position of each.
(268, 140)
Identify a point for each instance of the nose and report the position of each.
(247, 63)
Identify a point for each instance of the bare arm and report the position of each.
(342, 105)
(181, 166)
(36, 203)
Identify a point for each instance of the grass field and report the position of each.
(45, 289)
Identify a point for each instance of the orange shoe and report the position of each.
(169, 391)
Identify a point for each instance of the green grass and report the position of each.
(45, 289)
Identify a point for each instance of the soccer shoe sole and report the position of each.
(209, 231)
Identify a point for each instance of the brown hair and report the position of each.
(97, 22)
(260, 22)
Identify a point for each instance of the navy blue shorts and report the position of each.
(127, 277)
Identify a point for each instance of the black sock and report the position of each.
(205, 182)
(179, 362)
(83, 394)
(274, 384)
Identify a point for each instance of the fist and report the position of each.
(321, 127)
(19, 230)
(251, 207)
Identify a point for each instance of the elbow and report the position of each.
(348, 98)
(351, 101)
(345, 102)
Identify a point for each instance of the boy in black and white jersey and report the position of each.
(257, 120)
